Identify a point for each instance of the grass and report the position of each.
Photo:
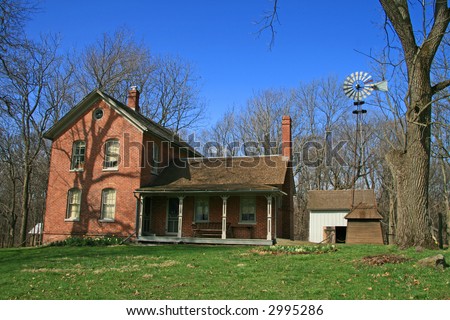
(215, 272)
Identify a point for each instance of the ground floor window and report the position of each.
(108, 204)
(73, 204)
(202, 209)
(248, 210)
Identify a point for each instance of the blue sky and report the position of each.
(315, 39)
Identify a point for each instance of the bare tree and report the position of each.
(13, 15)
(223, 138)
(112, 63)
(170, 92)
(259, 124)
(23, 81)
(411, 165)
(174, 94)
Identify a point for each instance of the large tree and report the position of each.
(410, 166)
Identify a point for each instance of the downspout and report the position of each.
(138, 214)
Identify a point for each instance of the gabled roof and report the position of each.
(239, 174)
(339, 199)
(137, 119)
(364, 211)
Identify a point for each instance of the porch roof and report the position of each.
(221, 175)
(210, 188)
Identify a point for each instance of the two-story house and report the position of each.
(115, 172)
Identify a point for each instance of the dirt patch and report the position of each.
(382, 259)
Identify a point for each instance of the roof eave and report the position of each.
(186, 191)
(75, 112)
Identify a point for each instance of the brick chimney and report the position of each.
(133, 98)
(286, 137)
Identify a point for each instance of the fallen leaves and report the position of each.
(381, 259)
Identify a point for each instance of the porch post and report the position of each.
(269, 217)
(140, 203)
(180, 216)
(224, 216)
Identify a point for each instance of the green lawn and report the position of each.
(214, 272)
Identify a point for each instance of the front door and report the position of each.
(147, 216)
(172, 216)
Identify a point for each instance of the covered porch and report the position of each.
(231, 214)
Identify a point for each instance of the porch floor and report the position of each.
(231, 241)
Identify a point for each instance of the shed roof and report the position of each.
(339, 199)
(364, 211)
(239, 174)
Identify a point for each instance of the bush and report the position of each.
(88, 241)
(306, 249)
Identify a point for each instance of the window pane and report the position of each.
(73, 204)
(108, 204)
(248, 209)
(78, 155)
(112, 148)
(202, 209)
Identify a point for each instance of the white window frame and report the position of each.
(71, 205)
(245, 203)
(108, 206)
(111, 160)
(202, 202)
(78, 156)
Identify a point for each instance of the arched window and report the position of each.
(73, 204)
(108, 204)
(78, 155)
(112, 147)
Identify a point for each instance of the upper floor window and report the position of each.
(111, 154)
(155, 158)
(201, 209)
(248, 210)
(108, 204)
(73, 204)
(78, 155)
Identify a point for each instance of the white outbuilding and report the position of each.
(330, 211)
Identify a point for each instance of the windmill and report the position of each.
(358, 86)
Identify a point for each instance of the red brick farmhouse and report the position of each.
(115, 172)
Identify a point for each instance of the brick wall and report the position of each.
(243, 231)
(93, 179)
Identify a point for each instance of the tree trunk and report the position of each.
(410, 167)
(446, 200)
(25, 206)
(392, 218)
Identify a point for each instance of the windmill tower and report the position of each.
(358, 86)
(363, 220)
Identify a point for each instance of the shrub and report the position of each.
(88, 241)
(306, 249)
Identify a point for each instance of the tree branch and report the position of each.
(268, 22)
(440, 86)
